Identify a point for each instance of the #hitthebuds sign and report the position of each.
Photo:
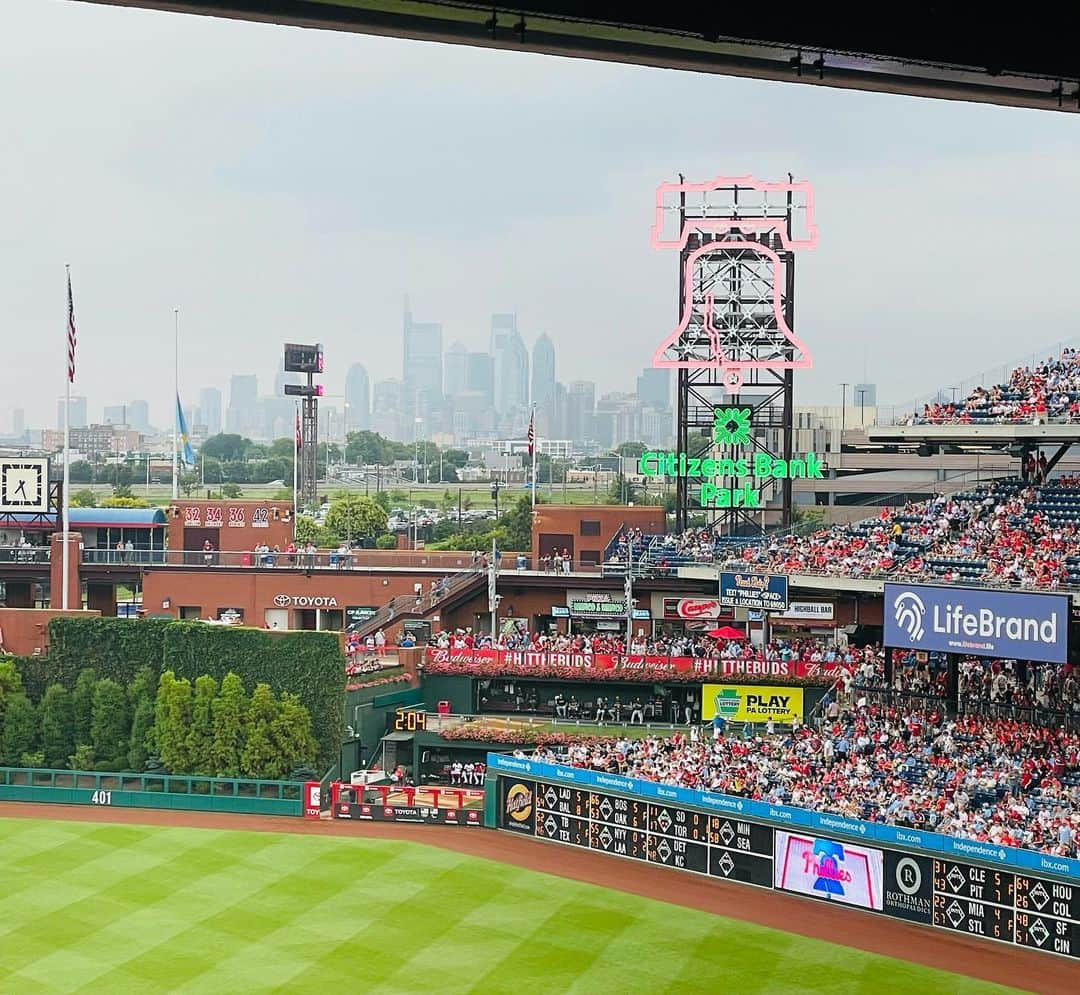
(978, 622)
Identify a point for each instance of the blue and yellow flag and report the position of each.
(187, 455)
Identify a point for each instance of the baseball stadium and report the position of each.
(804, 717)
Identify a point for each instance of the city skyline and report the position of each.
(449, 394)
(187, 194)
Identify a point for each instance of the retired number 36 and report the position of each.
(101, 798)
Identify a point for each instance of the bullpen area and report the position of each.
(147, 902)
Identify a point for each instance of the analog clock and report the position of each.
(24, 485)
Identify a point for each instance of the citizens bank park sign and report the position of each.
(528, 661)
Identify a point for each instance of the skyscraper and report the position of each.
(455, 370)
(511, 371)
(422, 359)
(243, 414)
(358, 398)
(18, 421)
(543, 381)
(388, 416)
(116, 414)
(654, 387)
(78, 412)
(138, 416)
(580, 405)
(480, 375)
(210, 409)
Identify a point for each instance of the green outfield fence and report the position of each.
(161, 791)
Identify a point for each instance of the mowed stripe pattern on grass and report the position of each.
(110, 908)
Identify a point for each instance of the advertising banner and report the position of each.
(751, 703)
(694, 609)
(829, 869)
(517, 805)
(764, 592)
(590, 604)
(821, 611)
(532, 663)
(909, 887)
(978, 622)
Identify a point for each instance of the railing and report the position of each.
(24, 554)
(1050, 718)
(417, 605)
(159, 790)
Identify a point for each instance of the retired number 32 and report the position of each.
(101, 798)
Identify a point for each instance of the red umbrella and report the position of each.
(727, 632)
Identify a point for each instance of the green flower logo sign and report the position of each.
(731, 426)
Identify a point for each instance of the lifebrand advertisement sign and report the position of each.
(977, 622)
(751, 703)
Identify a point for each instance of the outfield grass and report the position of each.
(129, 909)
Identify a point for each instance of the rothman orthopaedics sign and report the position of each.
(977, 622)
(730, 482)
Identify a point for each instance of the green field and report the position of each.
(127, 909)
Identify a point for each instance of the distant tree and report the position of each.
(226, 447)
(386, 541)
(125, 502)
(231, 491)
(382, 499)
(353, 516)
(631, 449)
(141, 703)
(258, 755)
(20, 729)
(83, 498)
(201, 735)
(122, 491)
(57, 726)
(10, 684)
(517, 526)
(229, 712)
(82, 706)
(293, 742)
(110, 725)
(307, 529)
(172, 721)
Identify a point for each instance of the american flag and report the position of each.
(532, 432)
(71, 338)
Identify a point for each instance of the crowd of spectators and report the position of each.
(699, 645)
(1000, 780)
(1034, 395)
(1000, 533)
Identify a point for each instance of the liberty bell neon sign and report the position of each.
(732, 313)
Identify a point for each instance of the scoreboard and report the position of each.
(1003, 905)
(717, 845)
(999, 904)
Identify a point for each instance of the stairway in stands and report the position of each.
(409, 606)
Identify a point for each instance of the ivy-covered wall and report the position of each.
(309, 664)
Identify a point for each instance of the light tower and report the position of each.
(306, 359)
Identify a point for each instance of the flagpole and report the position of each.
(66, 504)
(532, 426)
(295, 471)
(176, 402)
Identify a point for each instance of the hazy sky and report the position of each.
(280, 184)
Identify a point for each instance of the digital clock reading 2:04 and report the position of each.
(409, 721)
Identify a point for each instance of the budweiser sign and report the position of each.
(515, 662)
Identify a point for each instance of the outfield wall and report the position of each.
(160, 791)
(959, 885)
